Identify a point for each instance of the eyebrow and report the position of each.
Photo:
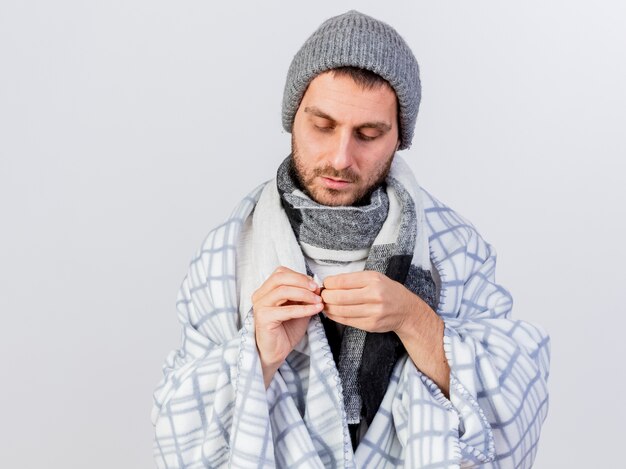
(378, 125)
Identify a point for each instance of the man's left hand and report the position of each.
(370, 301)
(373, 302)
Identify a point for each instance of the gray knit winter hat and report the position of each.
(358, 40)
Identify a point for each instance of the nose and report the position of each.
(343, 155)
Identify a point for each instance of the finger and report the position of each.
(284, 293)
(354, 296)
(348, 321)
(349, 311)
(340, 319)
(284, 276)
(366, 323)
(279, 314)
(352, 280)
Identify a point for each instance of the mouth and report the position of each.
(333, 183)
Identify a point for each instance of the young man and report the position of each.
(343, 316)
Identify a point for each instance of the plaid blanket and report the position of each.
(211, 408)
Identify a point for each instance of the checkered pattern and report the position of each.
(211, 408)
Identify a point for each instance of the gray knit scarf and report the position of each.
(343, 234)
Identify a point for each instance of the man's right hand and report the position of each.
(282, 307)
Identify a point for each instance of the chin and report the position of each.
(333, 198)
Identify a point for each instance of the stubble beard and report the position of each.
(334, 197)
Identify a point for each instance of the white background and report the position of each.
(128, 129)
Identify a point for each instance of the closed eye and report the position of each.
(366, 138)
(324, 129)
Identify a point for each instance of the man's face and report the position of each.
(343, 139)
